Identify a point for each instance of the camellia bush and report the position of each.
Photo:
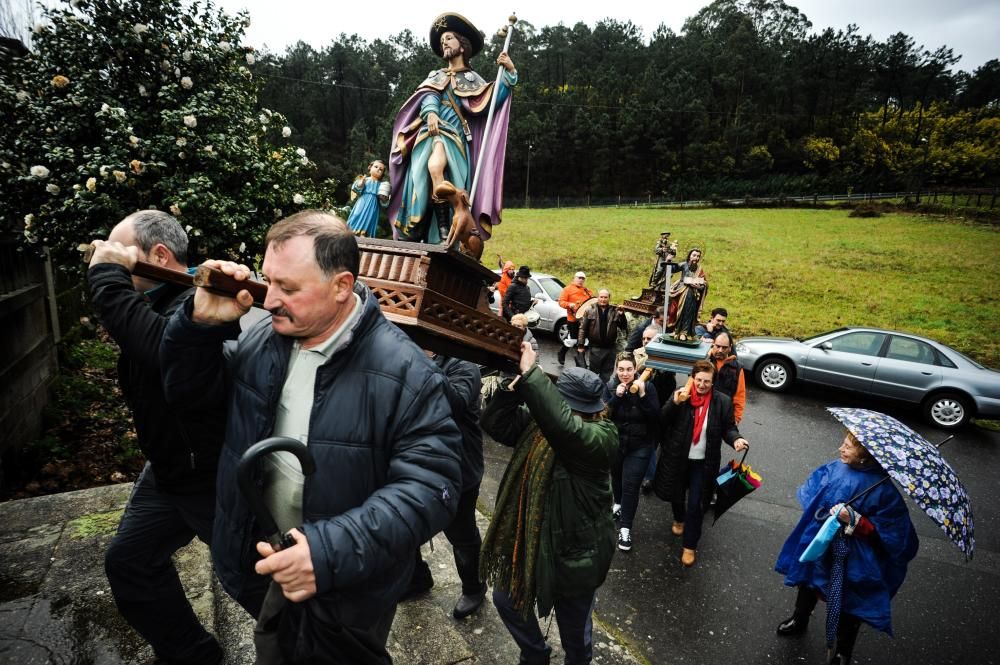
(132, 104)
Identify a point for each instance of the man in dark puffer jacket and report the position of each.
(328, 369)
(174, 498)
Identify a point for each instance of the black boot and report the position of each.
(442, 213)
(794, 625)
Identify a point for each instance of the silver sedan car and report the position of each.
(950, 387)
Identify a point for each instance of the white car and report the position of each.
(545, 289)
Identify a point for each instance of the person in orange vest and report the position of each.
(574, 295)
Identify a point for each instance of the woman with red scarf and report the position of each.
(695, 421)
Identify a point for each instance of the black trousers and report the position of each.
(463, 534)
(144, 582)
(847, 629)
(574, 332)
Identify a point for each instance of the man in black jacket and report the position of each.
(463, 388)
(328, 369)
(517, 300)
(174, 498)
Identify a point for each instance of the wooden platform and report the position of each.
(438, 297)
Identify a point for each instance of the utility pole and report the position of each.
(527, 179)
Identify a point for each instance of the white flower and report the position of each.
(275, 185)
(142, 91)
(190, 121)
(187, 83)
(134, 140)
(22, 96)
(225, 47)
(77, 187)
(175, 210)
(210, 150)
(286, 131)
(301, 152)
(91, 184)
(39, 171)
(105, 108)
(52, 188)
(196, 232)
(119, 176)
(262, 118)
(181, 142)
(298, 199)
(103, 171)
(250, 59)
(243, 247)
(29, 219)
(140, 28)
(186, 56)
(177, 72)
(277, 212)
(245, 73)
(118, 111)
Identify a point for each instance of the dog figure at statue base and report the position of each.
(463, 233)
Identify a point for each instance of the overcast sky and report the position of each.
(970, 27)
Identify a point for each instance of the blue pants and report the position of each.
(143, 579)
(575, 627)
(626, 476)
(691, 514)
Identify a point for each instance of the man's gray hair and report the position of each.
(155, 226)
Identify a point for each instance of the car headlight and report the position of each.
(741, 348)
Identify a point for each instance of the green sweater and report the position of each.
(578, 532)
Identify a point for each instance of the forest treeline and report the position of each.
(745, 100)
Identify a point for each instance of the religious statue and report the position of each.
(687, 297)
(665, 251)
(440, 135)
(371, 194)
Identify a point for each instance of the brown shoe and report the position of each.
(688, 557)
(677, 528)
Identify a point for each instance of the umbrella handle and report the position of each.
(251, 492)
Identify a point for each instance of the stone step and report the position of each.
(55, 604)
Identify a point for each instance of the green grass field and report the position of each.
(789, 272)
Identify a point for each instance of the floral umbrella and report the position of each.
(918, 467)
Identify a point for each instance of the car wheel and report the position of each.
(562, 330)
(947, 410)
(774, 374)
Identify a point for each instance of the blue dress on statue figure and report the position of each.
(875, 564)
(363, 219)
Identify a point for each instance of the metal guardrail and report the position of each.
(990, 197)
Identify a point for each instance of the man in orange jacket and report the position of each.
(506, 277)
(729, 376)
(574, 295)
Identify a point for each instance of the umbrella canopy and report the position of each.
(918, 467)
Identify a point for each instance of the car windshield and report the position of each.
(552, 286)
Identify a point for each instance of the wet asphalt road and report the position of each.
(725, 608)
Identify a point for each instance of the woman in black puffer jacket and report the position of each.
(636, 415)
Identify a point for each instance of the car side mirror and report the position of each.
(826, 346)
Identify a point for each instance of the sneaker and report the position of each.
(624, 540)
(616, 513)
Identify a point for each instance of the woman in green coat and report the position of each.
(552, 537)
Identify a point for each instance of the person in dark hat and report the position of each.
(518, 297)
(550, 544)
(439, 134)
